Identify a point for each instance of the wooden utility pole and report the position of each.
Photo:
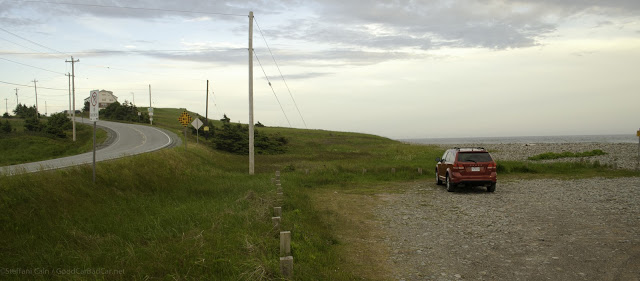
(6, 105)
(17, 98)
(45, 108)
(69, 112)
(150, 115)
(206, 113)
(73, 90)
(35, 87)
(251, 136)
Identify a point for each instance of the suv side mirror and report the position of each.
(438, 159)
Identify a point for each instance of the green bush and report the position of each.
(6, 127)
(234, 138)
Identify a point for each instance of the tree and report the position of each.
(22, 111)
(33, 124)
(86, 106)
(6, 127)
(6, 115)
(260, 125)
(57, 124)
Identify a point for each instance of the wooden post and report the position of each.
(286, 267)
(364, 171)
(277, 175)
(276, 222)
(277, 181)
(420, 171)
(306, 171)
(277, 211)
(279, 188)
(273, 180)
(393, 170)
(279, 198)
(285, 243)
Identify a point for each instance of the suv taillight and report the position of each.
(458, 166)
(491, 166)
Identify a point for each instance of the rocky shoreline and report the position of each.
(619, 155)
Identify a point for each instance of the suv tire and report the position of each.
(492, 187)
(438, 181)
(450, 186)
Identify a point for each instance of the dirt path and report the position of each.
(527, 230)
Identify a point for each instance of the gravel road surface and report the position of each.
(527, 230)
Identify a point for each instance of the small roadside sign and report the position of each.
(196, 123)
(94, 108)
(150, 111)
(184, 118)
(206, 128)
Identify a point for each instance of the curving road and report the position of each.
(125, 140)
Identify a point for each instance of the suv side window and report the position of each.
(451, 157)
(444, 157)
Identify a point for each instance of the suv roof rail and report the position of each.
(472, 148)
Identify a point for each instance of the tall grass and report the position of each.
(198, 215)
(23, 147)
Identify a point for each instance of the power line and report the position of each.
(32, 66)
(120, 51)
(29, 86)
(32, 42)
(134, 8)
(277, 66)
(23, 46)
(274, 92)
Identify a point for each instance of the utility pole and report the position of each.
(35, 87)
(17, 97)
(69, 112)
(6, 106)
(151, 115)
(73, 83)
(45, 108)
(251, 136)
(206, 113)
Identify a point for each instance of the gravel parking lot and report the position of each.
(527, 230)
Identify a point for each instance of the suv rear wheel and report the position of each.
(492, 187)
(450, 186)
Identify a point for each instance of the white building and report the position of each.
(105, 98)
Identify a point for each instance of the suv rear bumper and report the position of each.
(458, 178)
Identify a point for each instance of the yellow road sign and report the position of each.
(185, 118)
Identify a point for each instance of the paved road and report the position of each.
(125, 140)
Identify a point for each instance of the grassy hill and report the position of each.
(197, 214)
(24, 147)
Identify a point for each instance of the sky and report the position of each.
(400, 69)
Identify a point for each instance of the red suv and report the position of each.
(467, 166)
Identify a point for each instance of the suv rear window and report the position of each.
(474, 157)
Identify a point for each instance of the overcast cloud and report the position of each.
(359, 60)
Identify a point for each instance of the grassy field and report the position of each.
(23, 147)
(197, 214)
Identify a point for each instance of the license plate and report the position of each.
(475, 169)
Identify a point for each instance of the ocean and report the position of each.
(529, 139)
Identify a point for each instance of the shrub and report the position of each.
(235, 139)
(57, 124)
(33, 124)
(6, 127)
